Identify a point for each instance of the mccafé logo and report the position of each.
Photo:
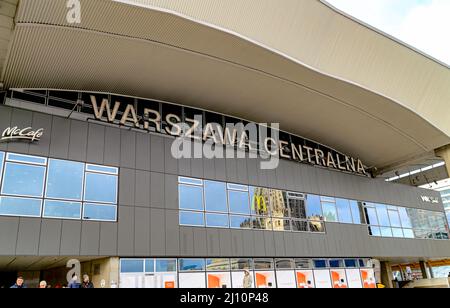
(21, 134)
(231, 135)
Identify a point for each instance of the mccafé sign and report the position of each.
(21, 134)
(152, 120)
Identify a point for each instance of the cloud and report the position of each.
(423, 24)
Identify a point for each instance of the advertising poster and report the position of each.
(286, 280)
(305, 280)
(219, 280)
(165, 280)
(240, 281)
(368, 278)
(354, 279)
(192, 280)
(322, 279)
(339, 279)
(265, 279)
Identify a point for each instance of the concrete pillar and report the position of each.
(444, 153)
(386, 275)
(430, 268)
(423, 269)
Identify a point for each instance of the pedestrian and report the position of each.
(248, 281)
(19, 283)
(73, 284)
(43, 284)
(87, 284)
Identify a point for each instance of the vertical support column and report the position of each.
(423, 269)
(444, 153)
(386, 275)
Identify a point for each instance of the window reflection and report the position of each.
(64, 180)
(23, 180)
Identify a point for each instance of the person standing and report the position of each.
(19, 283)
(248, 281)
(43, 284)
(87, 284)
(74, 282)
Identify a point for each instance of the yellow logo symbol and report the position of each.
(260, 203)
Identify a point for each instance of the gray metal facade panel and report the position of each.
(44, 121)
(172, 232)
(125, 246)
(225, 244)
(78, 141)
(213, 242)
(59, 144)
(143, 158)
(9, 228)
(5, 119)
(96, 143)
(186, 242)
(70, 238)
(127, 185)
(50, 237)
(157, 232)
(142, 188)
(112, 151)
(200, 242)
(141, 231)
(157, 153)
(157, 191)
(127, 149)
(90, 238)
(170, 163)
(28, 237)
(108, 239)
(170, 192)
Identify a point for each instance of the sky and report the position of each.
(423, 24)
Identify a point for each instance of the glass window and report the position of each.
(192, 219)
(336, 263)
(26, 159)
(216, 197)
(263, 264)
(217, 220)
(297, 206)
(164, 266)
(190, 181)
(397, 232)
(20, 207)
(303, 263)
(344, 211)
(260, 201)
(218, 264)
(61, 209)
(64, 180)
(238, 201)
(241, 264)
(281, 224)
(329, 212)
(372, 218)
(285, 263)
(316, 226)
(386, 232)
(187, 265)
(404, 217)
(241, 222)
(99, 212)
(383, 217)
(408, 233)
(262, 223)
(237, 187)
(374, 231)
(313, 207)
(394, 218)
(350, 263)
(299, 226)
(277, 204)
(191, 197)
(131, 266)
(101, 188)
(102, 169)
(363, 263)
(357, 213)
(23, 180)
(320, 263)
(150, 266)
